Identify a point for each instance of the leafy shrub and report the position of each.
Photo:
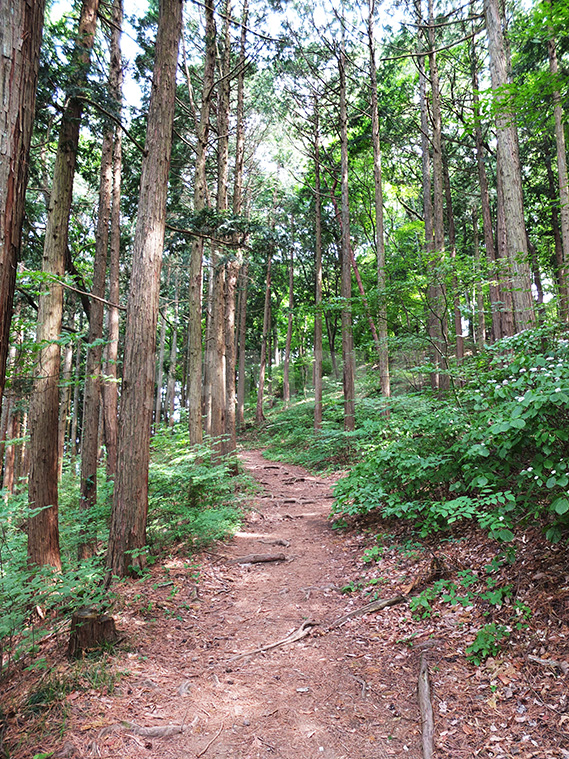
(496, 454)
(488, 642)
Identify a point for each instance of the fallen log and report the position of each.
(425, 708)
(258, 558)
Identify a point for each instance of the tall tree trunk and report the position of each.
(286, 364)
(563, 182)
(21, 26)
(242, 353)
(160, 371)
(317, 273)
(234, 411)
(459, 340)
(76, 388)
(65, 400)
(509, 167)
(43, 525)
(259, 415)
(432, 322)
(171, 384)
(503, 267)
(93, 367)
(110, 385)
(195, 296)
(480, 320)
(559, 259)
(346, 288)
(437, 293)
(219, 302)
(127, 535)
(496, 302)
(383, 346)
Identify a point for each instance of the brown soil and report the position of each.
(344, 692)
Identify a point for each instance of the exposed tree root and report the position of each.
(426, 708)
(304, 630)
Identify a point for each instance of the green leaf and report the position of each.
(560, 505)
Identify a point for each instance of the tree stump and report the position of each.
(90, 629)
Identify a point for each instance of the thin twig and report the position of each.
(215, 737)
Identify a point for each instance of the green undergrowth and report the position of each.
(492, 610)
(192, 501)
(494, 452)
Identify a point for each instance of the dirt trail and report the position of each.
(327, 695)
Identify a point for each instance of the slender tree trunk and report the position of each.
(346, 289)
(160, 372)
(480, 320)
(259, 415)
(437, 289)
(503, 261)
(242, 352)
(459, 340)
(496, 303)
(171, 384)
(234, 413)
(65, 403)
(43, 524)
(21, 26)
(76, 393)
(127, 535)
(200, 188)
(317, 274)
(93, 367)
(563, 182)
(509, 166)
(559, 260)
(432, 321)
(286, 364)
(217, 347)
(110, 384)
(383, 346)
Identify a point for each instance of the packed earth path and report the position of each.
(192, 685)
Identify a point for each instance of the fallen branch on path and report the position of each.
(275, 542)
(215, 737)
(153, 732)
(426, 708)
(562, 665)
(302, 632)
(367, 609)
(258, 558)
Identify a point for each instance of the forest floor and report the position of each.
(196, 676)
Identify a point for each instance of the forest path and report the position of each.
(330, 695)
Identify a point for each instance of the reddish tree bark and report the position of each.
(130, 503)
(21, 26)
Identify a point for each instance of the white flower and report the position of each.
(520, 398)
(557, 389)
(534, 369)
(523, 371)
(529, 469)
